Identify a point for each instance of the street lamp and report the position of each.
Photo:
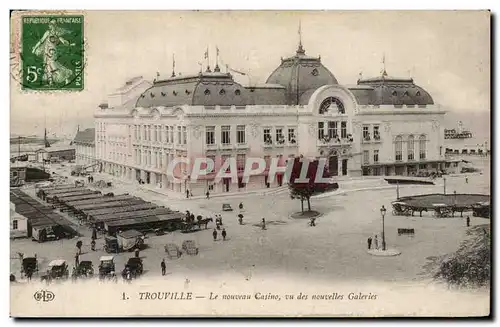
(444, 185)
(383, 210)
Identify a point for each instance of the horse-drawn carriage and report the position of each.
(57, 270)
(173, 251)
(85, 269)
(189, 246)
(107, 268)
(401, 209)
(190, 224)
(133, 269)
(442, 210)
(29, 266)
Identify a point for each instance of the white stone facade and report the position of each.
(139, 143)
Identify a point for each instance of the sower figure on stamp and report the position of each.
(54, 71)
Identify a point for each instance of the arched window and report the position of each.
(398, 144)
(411, 147)
(422, 146)
(332, 105)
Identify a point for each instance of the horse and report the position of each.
(204, 221)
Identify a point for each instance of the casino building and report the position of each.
(381, 126)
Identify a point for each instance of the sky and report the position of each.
(445, 52)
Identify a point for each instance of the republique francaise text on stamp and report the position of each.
(52, 53)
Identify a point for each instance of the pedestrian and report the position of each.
(215, 234)
(77, 259)
(94, 234)
(187, 194)
(208, 195)
(137, 252)
(376, 242)
(92, 245)
(163, 267)
(241, 205)
(191, 193)
(240, 219)
(369, 243)
(224, 234)
(466, 180)
(313, 222)
(468, 221)
(263, 224)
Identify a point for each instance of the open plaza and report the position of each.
(336, 248)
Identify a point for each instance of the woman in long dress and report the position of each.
(54, 72)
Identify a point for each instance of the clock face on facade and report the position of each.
(330, 104)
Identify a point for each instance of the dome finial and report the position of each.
(300, 50)
(384, 72)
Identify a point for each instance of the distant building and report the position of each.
(84, 143)
(380, 126)
(56, 153)
(18, 224)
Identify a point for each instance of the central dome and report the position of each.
(299, 74)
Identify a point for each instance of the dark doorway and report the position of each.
(344, 167)
(137, 174)
(148, 177)
(226, 182)
(333, 166)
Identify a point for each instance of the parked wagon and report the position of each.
(442, 210)
(189, 246)
(29, 266)
(107, 267)
(85, 269)
(173, 251)
(57, 269)
(401, 209)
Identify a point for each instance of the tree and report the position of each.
(304, 191)
(470, 265)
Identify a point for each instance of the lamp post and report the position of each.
(444, 185)
(397, 190)
(383, 210)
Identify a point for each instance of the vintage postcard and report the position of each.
(250, 164)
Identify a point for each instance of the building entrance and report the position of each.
(333, 166)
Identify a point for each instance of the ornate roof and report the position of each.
(299, 74)
(387, 90)
(208, 89)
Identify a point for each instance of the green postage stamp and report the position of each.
(52, 52)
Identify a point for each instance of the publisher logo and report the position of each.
(44, 296)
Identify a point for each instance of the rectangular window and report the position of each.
(210, 135)
(226, 134)
(224, 158)
(154, 133)
(171, 137)
(184, 135)
(240, 134)
(366, 132)
(376, 132)
(343, 129)
(332, 129)
(321, 130)
(280, 138)
(291, 136)
(14, 224)
(213, 160)
(375, 156)
(149, 132)
(267, 136)
(160, 133)
(144, 131)
(240, 162)
(179, 135)
(366, 156)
